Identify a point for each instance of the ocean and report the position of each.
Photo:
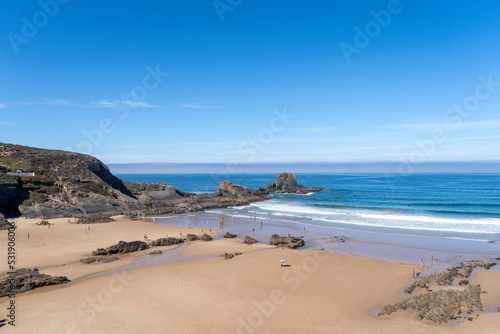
(426, 211)
(463, 206)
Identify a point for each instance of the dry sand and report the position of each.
(320, 292)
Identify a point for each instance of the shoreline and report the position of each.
(196, 288)
(394, 248)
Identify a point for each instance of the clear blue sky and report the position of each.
(228, 77)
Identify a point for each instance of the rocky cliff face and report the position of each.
(72, 184)
(68, 184)
(287, 183)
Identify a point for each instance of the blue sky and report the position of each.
(252, 82)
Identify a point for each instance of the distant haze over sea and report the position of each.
(309, 167)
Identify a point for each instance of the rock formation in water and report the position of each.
(290, 242)
(286, 183)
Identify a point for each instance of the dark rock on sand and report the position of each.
(94, 219)
(227, 256)
(249, 240)
(4, 224)
(22, 280)
(105, 259)
(229, 235)
(290, 242)
(469, 266)
(287, 183)
(166, 242)
(156, 252)
(122, 247)
(206, 237)
(446, 277)
(442, 305)
(192, 237)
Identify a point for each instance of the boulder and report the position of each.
(249, 240)
(192, 237)
(121, 247)
(166, 242)
(229, 235)
(22, 280)
(287, 183)
(290, 242)
(227, 256)
(206, 237)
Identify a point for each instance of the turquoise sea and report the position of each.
(465, 206)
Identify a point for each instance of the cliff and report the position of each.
(68, 184)
(72, 184)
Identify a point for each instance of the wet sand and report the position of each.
(190, 289)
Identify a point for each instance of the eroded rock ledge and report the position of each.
(22, 280)
(442, 306)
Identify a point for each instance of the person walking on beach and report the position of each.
(28, 235)
(413, 275)
(427, 286)
(432, 258)
(421, 262)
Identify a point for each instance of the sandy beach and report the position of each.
(190, 289)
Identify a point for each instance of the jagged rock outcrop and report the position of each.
(4, 224)
(446, 277)
(192, 237)
(166, 242)
(290, 242)
(121, 247)
(94, 259)
(94, 219)
(228, 256)
(229, 235)
(206, 237)
(228, 194)
(287, 183)
(72, 184)
(22, 280)
(440, 306)
(466, 268)
(249, 240)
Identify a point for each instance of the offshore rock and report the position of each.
(228, 194)
(290, 242)
(287, 183)
(229, 235)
